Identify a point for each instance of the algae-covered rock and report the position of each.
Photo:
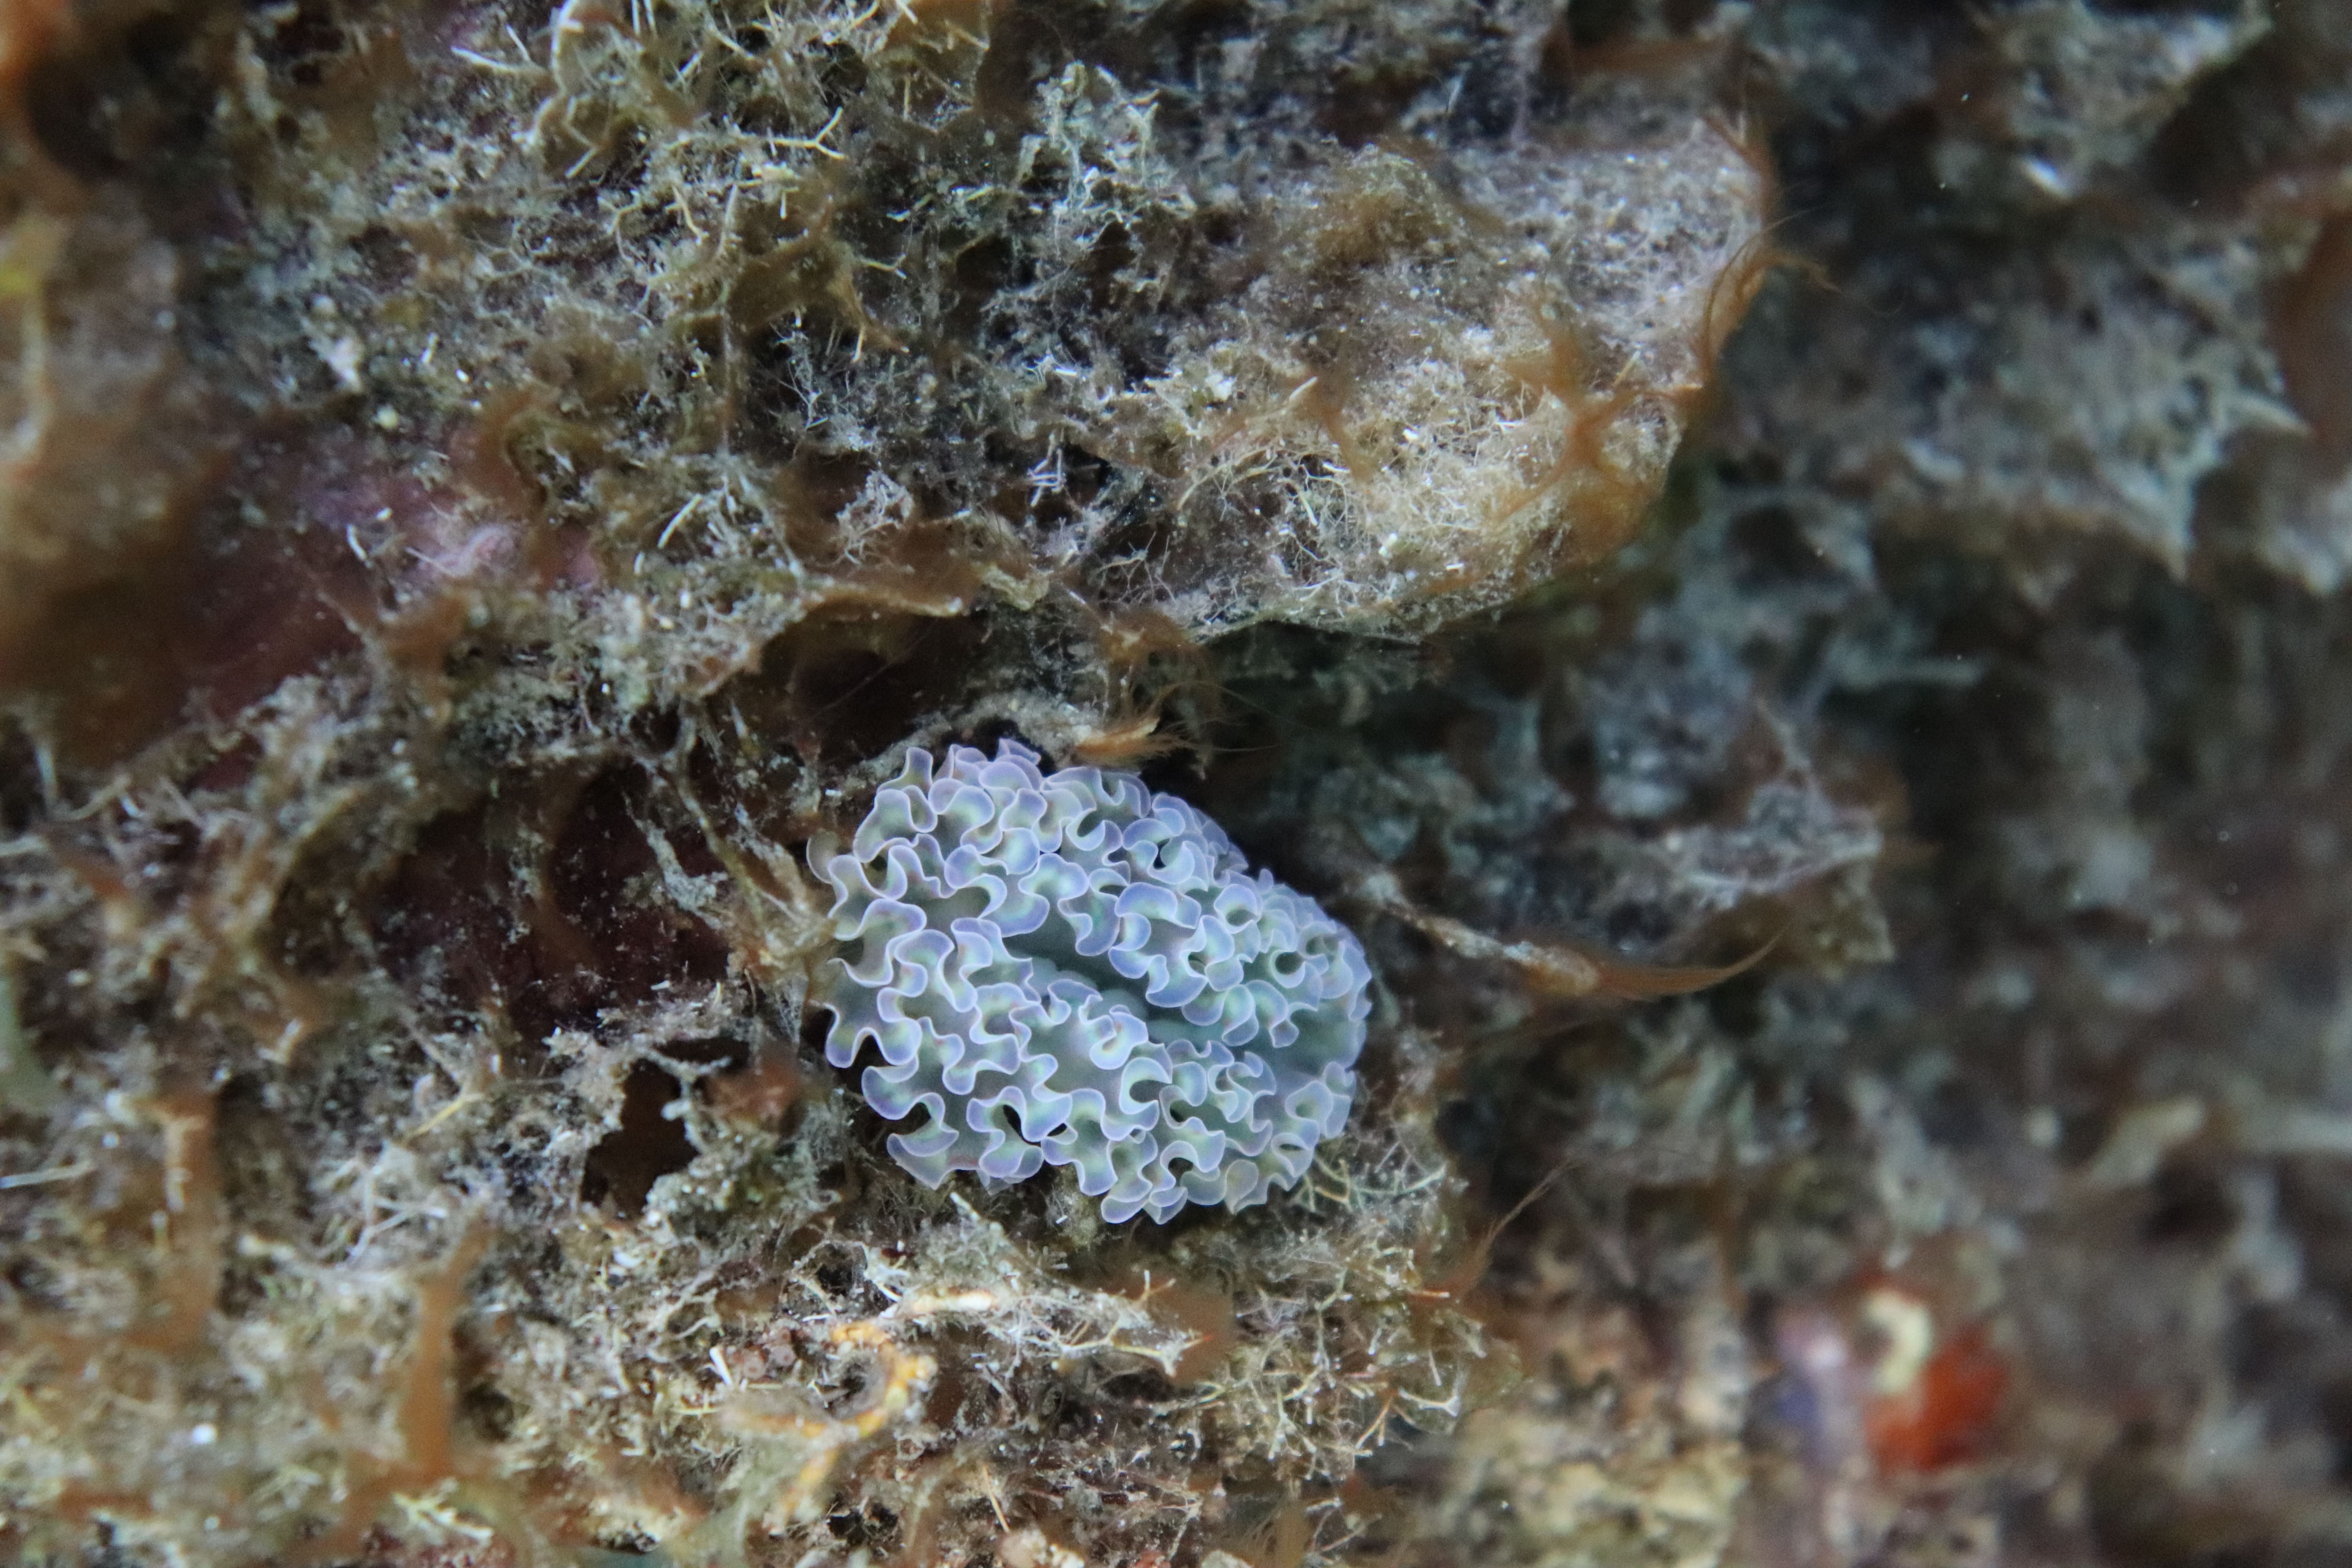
(1842, 813)
(486, 486)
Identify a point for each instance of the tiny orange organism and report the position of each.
(1933, 1396)
(1145, 650)
(1126, 738)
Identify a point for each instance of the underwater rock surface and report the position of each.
(1780, 565)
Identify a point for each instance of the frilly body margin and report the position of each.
(1070, 969)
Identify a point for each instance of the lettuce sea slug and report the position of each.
(1070, 969)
